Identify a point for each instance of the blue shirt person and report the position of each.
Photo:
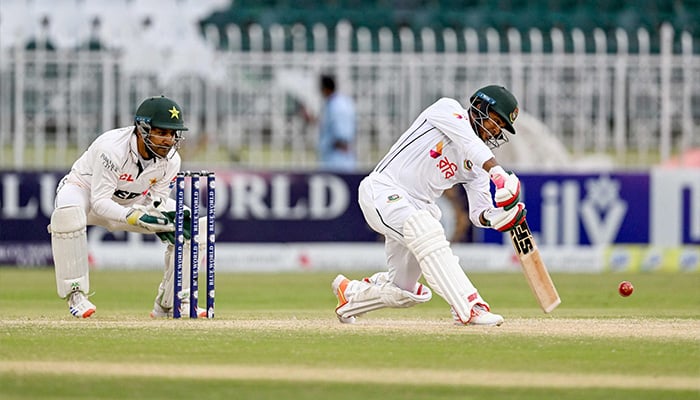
(337, 129)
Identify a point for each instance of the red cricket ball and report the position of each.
(625, 288)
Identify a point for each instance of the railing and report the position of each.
(244, 108)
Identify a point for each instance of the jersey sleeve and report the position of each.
(479, 197)
(450, 118)
(105, 176)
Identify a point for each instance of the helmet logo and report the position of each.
(486, 98)
(513, 115)
(174, 113)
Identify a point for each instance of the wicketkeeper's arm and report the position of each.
(154, 222)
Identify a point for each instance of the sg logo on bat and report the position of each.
(522, 238)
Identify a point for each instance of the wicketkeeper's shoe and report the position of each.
(339, 285)
(160, 312)
(79, 305)
(482, 316)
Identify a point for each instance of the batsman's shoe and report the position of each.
(79, 305)
(480, 315)
(339, 285)
(160, 312)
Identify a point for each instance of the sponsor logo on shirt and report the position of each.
(107, 163)
(447, 168)
(437, 151)
(125, 195)
(468, 164)
(459, 116)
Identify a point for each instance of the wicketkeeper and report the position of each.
(445, 146)
(122, 182)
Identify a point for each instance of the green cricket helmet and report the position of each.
(499, 100)
(163, 113)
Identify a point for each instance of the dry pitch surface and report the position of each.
(652, 329)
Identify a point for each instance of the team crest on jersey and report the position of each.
(153, 181)
(392, 198)
(468, 164)
(437, 151)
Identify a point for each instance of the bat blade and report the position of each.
(533, 268)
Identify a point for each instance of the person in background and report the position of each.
(337, 129)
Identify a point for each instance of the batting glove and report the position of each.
(503, 220)
(138, 216)
(507, 187)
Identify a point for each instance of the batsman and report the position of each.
(122, 182)
(445, 146)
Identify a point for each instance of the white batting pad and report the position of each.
(70, 251)
(364, 297)
(425, 237)
(164, 298)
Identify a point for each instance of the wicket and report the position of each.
(194, 242)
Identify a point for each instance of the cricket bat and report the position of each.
(534, 269)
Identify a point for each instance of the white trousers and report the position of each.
(386, 208)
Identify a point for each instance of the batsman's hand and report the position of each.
(503, 220)
(139, 216)
(507, 187)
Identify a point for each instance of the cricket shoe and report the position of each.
(160, 312)
(480, 315)
(340, 285)
(79, 305)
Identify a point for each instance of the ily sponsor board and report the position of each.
(600, 209)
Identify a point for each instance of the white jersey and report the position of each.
(118, 177)
(438, 151)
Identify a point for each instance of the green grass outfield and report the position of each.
(275, 336)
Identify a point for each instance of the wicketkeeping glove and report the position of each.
(169, 237)
(504, 220)
(507, 187)
(139, 216)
